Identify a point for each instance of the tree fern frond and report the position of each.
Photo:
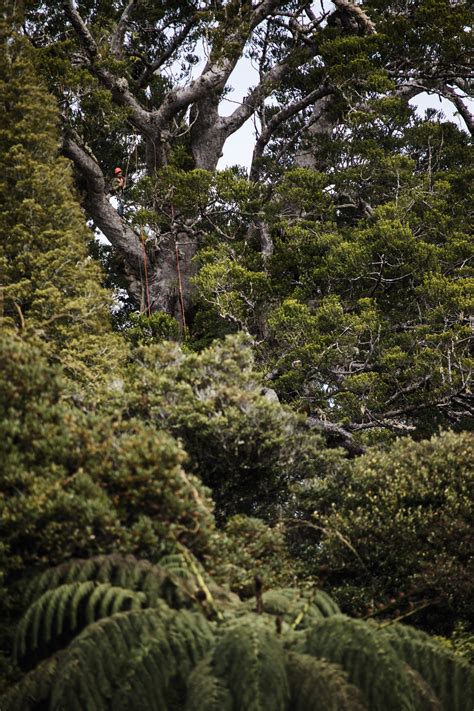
(192, 632)
(34, 689)
(297, 608)
(98, 658)
(41, 614)
(250, 661)
(370, 662)
(145, 654)
(205, 691)
(118, 570)
(450, 676)
(47, 615)
(177, 564)
(318, 685)
(74, 571)
(161, 667)
(426, 699)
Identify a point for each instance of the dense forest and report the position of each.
(236, 453)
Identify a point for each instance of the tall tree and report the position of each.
(122, 72)
(49, 284)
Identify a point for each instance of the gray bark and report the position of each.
(207, 130)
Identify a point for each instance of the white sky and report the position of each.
(239, 147)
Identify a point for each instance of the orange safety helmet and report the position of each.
(117, 171)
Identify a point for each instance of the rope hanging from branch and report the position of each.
(145, 266)
(180, 281)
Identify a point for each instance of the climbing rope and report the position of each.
(180, 281)
(145, 266)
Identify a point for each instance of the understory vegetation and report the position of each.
(236, 446)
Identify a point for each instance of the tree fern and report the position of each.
(450, 676)
(297, 653)
(247, 666)
(370, 662)
(206, 690)
(47, 615)
(425, 697)
(318, 685)
(120, 571)
(151, 649)
(34, 689)
(172, 579)
(298, 609)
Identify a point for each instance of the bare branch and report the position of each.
(85, 37)
(116, 42)
(262, 90)
(118, 87)
(358, 14)
(462, 108)
(176, 42)
(278, 119)
(330, 428)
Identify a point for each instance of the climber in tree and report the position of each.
(118, 186)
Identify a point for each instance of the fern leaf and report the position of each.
(369, 660)
(318, 685)
(98, 593)
(29, 627)
(450, 677)
(205, 691)
(172, 582)
(296, 608)
(34, 689)
(426, 700)
(162, 665)
(46, 617)
(249, 661)
(141, 654)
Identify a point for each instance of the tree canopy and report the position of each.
(235, 405)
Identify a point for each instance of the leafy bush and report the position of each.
(396, 529)
(126, 634)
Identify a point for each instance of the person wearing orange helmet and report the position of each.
(119, 180)
(118, 186)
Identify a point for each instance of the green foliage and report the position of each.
(81, 483)
(318, 685)
(395, 529)
(367, 658)
(353, 282)
(143, 330)
(35, 688)
(165, 658)
(300, 611)
(161, 641)
(54, 606)
(450, 677)
(50, 285)
(233, 291)
(241, 444)
(249, 546)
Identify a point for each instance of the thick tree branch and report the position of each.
(85, 37)
(277, 120)
(176, 42)
(258, 93)
(217, 70)
(118, 87)
(97, 205)
(364, 22)
(337, 431)
(116, 41)
(462, 108)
